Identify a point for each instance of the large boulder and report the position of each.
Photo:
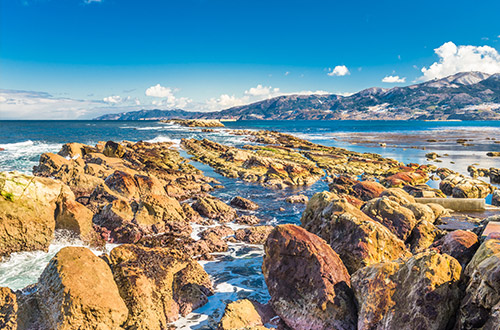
(358, 239)
(419, 293)
(77, 291)
(245, 314)
(422, 212)
(27, 206)
(308, 283)
(495, 200)
(158, 284)
(422, 236)
(399, 219)
(214, 208)
(75, 217)
(481, 304)
(460, 186)
(402, 179)
(460, 244)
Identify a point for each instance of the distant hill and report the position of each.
(463, 96)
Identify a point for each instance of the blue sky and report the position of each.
(89, 57)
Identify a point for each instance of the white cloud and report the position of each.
(339, 70)
(159, 91)
(167, 96)
(393, 79)
(287, 73)
(454, 59)
(262, 91)
(113, 99)
(3, 99)
(91, 1)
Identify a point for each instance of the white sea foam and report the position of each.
(22, 156)
(23, 268)
(164, 138)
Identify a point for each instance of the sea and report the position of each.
(237, 274)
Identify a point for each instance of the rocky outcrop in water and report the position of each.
(308, 283)
(462, 187)
(196, 122)
(271, 167)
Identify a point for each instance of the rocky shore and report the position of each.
(195, 122)
(367, 253)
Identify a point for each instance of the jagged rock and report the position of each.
(308, 283)
(158, 284)
(392, 215)
(494, 174)
(297, 199)
(358, 239)
(75, 150)
(420, 293)
(366, 190)
(196, 122)
(214, 208)
(405, 178)
(423, 190)
(438, 210)
(243, 203)
(398, 195)
(461, 187)
(75, 217)
(248, 220)
(422, 212)
(254, 235)
(113, 149)
(245, 314)
(193, 216)
(76, 291)
(495, 200)
(219, 231)
(422, 236)
(27, 206)
(460, 244)
(480, 305)
(8, 309)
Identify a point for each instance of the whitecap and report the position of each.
(22, 156)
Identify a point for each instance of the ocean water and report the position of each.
(237, 273)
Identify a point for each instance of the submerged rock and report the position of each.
(419, 293)
(297, 199)
(308, 283)
(76, 291)
(358, 239)
(158, 284)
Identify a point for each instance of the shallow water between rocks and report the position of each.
(237, 273)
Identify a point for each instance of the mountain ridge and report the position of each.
(462, 96)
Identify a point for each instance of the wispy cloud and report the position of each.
(393, 79)
(454, 59)
(339, 70)
(166, 97)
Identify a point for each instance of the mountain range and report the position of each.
(462, 96)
